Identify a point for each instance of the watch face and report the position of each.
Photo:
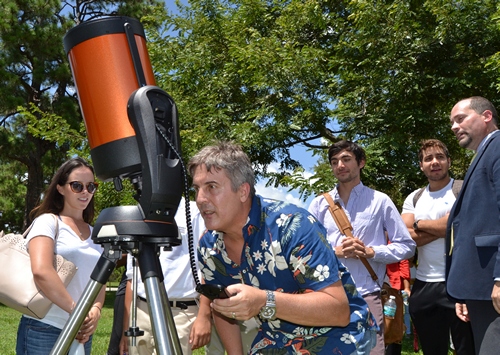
(268, 312)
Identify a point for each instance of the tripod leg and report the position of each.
(164, 332)
(133, 331)
(172, 331)
(99, 277)
(162, 322)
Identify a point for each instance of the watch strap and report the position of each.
(270, 299)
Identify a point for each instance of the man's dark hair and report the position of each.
(480, 104)
(429, 143)
(352, 147)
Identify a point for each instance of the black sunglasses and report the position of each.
(77, 186)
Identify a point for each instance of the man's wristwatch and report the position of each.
(415, 225)
(268, 312)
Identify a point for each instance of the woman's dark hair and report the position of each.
(53, 201)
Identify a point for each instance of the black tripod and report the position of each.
(129, 228)
(150, 159)
(143, 229)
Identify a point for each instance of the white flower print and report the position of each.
(226, 258)
(280, 260)
(221, 247)
(358, 313)
(274, 324)
(257, 255)
(283, 218)
(298, 331)
(273, 259)
(263, 244)
(238, 277)
(307, 333)
(322, 272)
(261, 268)
(254, 280)
(248, 257)
(348, 338)
(299, 263)
(207, 273)
(206, 254)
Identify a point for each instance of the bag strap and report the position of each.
(25, 234)
(417, 196)
(56, 226)
(456, 186)
(345, 228)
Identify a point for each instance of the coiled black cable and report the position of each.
(192, 257)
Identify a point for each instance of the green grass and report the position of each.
(9, 320)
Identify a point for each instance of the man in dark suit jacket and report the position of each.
(473, 233)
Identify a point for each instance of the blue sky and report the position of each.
(307, 160)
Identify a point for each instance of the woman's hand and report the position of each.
(89, 325)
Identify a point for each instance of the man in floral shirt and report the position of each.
(276, 263)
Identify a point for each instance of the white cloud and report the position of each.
(274, 167)
(281, 193)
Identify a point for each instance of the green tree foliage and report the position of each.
(271, 74)
(40, 120)
(12, 192)
(245, 71)
(30, 70)
(403, 65)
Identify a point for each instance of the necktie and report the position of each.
(451, 244)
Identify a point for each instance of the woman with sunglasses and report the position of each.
(62, 225)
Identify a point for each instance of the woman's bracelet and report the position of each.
(99, 308)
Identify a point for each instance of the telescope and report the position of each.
(133, 133)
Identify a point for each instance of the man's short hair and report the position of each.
(429, 143)
(352, 147)
(479, 104)
(226, 156)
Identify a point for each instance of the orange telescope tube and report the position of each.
(109, 61)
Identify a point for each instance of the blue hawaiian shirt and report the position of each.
(286, 250)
